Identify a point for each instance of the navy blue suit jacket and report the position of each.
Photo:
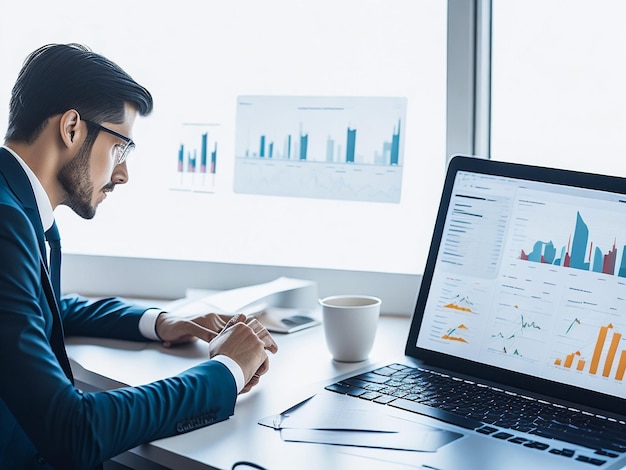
(45, 422)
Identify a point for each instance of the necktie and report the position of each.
(54, 240)
(57, 342)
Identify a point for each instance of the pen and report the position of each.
(278, 419)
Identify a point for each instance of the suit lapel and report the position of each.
(20, 186)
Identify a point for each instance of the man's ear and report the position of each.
(70, 129)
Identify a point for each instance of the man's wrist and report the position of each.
(234, 369)
(148, 324)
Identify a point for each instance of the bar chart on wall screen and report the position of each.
(346, 148)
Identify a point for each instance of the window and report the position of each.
(207, 63)
(558, 94)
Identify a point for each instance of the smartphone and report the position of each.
(287, 320)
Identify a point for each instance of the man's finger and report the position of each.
(237, 318)
(256, 377)
(263, 335)
(264, 368)
(212, 321)
(181, 331)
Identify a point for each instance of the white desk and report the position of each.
(300, 368)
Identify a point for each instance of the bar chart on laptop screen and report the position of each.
(600, 351)
(561, 296)
(579, 252)
(348, 148)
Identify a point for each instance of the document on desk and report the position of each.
(354, 424)
(249, 299)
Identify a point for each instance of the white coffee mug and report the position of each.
(350, 323)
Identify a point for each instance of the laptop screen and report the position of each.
(528, 274)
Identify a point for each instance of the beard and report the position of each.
(76, 182)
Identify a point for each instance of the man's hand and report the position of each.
(173, 329)
(246, 345)
(243, 340)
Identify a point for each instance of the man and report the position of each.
(70, 120)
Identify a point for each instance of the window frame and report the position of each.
(469, 78)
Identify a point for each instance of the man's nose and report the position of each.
(120, 174)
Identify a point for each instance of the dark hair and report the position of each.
(58, 77)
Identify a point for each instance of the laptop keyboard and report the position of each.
(489, 410)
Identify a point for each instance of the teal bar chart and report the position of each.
(196, 161)
(344, 148)
(579, 253)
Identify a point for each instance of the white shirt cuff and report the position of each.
(147, 324)
(234, 369)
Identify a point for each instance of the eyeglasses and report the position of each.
(121, 151)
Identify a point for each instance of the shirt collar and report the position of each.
(41, 197)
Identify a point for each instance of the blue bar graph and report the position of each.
(579, 245)
(580, 253)
(203, 153)
(344, 147)
(622, 267)
(350, 145)
(213, 168)
(196, 165)
(395, 146)
(304, 145)
(262, 147)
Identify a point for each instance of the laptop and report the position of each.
(516, 353)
